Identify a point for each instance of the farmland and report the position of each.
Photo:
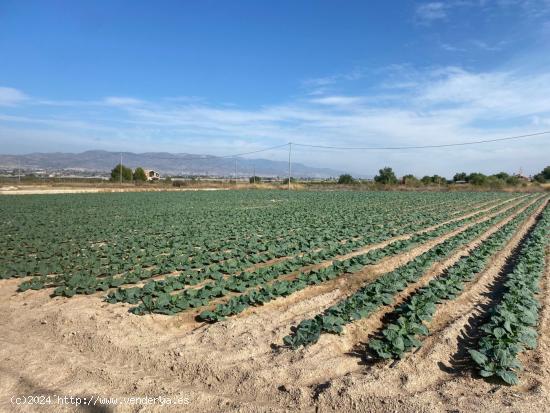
(276, 301)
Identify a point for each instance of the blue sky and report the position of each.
(222, 77)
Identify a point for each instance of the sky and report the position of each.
(226, 77)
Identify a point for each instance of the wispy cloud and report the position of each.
(429, 12)
(10, 96)
(494, 47)
(337, 100)
(451, 48)
(320, 82)
(122, 101)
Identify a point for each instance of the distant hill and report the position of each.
(164, 162)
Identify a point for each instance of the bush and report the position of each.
(254, 179)
(139, 175)
(543, 176)
(426, 180)
(126, 173)
(346, 179)
(494, 182)
(410, 180)
(460, 176)
(438, 180)
(502, 175)
(386, 176)
(477, 178)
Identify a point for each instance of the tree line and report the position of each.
(137, 175)
(387, 176)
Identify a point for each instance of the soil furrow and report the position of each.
(442, 348)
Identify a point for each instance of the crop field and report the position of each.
(275, 301)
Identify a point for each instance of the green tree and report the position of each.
(255, 179)
(438, 180)
(460, 176)
(513, 180)
(292, 179)
(502, 175)
(410, 180)
(539, 178)
(494, 182)
(543, 176)
(426, 180)
(346, 179)
(477, 178)
(126, 173)
(139, 175)
(386, 176)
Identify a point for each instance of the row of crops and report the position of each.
(219, 253)
(382, 291)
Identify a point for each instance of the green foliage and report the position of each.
(435, 179)
(460, 176)
(410, 180)
(404, 335)
(476, 178)
(346, 179)
(512, 326)
(502, 175)
(255, 180)
(139, 175)
(543, 176)
(539, 178)
(381, 291)
(126, 173)
(386, 176)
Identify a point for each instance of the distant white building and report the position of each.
(152, 175)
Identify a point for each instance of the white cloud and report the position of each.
(337, 100)
(494, 47)
(428, 12)
(322, 82)
(122, 101)
(10, 96)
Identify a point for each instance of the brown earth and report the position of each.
(85, 347)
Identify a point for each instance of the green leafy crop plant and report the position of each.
(404, 334)
(115, 239)
(381, 291)
(283, 288)
(248, 279)
(511, 328)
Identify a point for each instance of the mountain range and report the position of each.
(163, 162)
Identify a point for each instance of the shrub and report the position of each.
(346, 179)
(139, 174)
(126, 173)
(386, 176)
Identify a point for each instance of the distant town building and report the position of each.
(151, 175)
